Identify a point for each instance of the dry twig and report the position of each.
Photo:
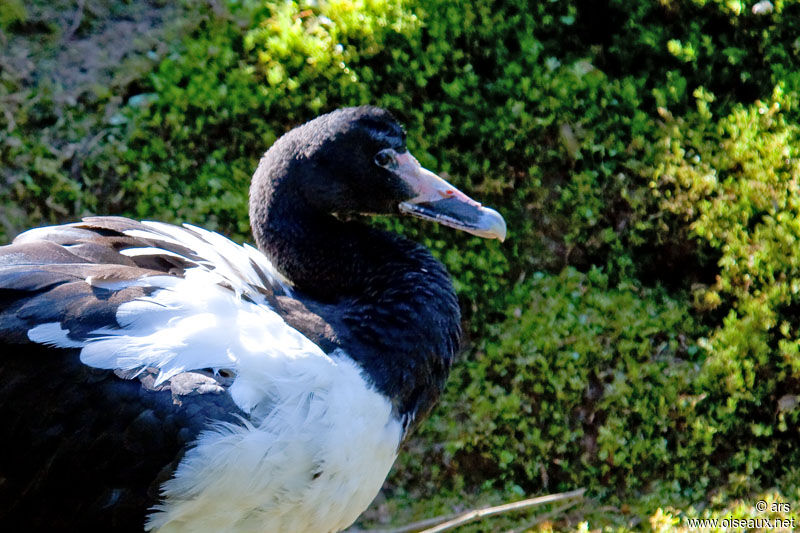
(448, 522)
(471, 516)
(545, 516)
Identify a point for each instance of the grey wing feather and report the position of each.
(69, 274)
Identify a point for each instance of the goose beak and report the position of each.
(439, 201)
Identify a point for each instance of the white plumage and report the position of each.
(311, 465)
(316, 430)
(196, 321)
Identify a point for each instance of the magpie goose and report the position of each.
(163, 378)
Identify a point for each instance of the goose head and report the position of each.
(355, 161)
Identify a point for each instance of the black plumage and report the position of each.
(74, 461)
(97, 444)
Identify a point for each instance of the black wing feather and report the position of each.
(84, 450)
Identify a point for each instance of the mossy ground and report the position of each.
(636, 335)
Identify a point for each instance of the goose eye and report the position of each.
(385, 158)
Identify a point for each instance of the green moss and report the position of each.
(584, 384)
(734, 183)
(11, 12)
(636, 334)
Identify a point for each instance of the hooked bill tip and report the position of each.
(492, 225)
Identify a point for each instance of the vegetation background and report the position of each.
(638, 334)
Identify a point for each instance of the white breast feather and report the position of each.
(312, 465)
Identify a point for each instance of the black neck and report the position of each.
(390, 303)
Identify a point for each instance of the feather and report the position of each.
(207, 306)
